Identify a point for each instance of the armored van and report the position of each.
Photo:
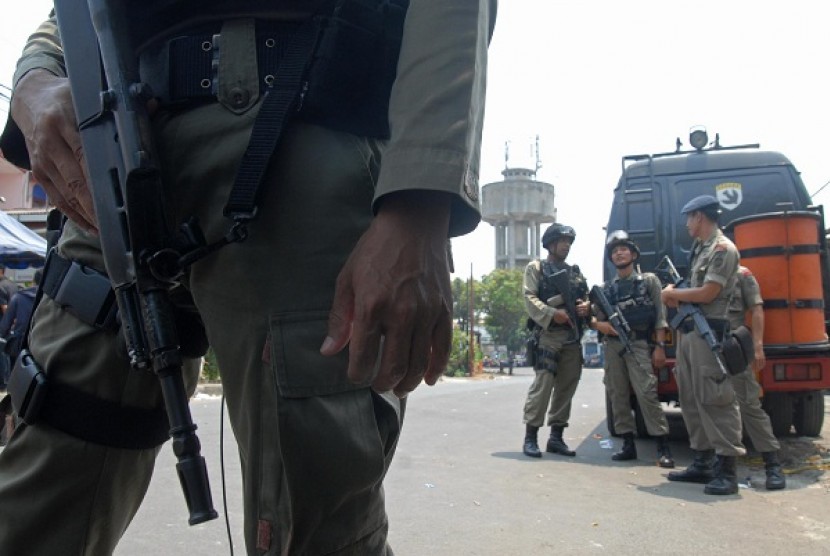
(767, 211)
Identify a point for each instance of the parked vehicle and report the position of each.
(767, 211)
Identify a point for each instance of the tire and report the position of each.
(609, 417)
(809, 414)
(779, 407)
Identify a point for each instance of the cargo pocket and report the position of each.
(715, 387)
(335, 436)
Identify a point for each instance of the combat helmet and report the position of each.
(620, 237)
(555, 232)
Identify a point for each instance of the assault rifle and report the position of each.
(562, 281)
(110, 104)
(615, 317)
(668, 272)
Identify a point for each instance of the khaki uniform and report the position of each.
(625, 372)
(755, 420)
(555, 388)
(707, 398)
(314, 447)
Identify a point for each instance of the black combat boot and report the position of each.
(726, 477)
(531, 447)
(664, 458)
(629, 449)
(556, 445)
(700, 471)
(775, 476)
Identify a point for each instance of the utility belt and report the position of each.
(346, 85)
(636, 335)
(718, 326)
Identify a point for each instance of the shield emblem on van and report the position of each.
(729, 195)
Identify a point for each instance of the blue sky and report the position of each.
(598, 80)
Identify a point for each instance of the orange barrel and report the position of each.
(782, 249)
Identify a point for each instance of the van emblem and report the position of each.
(729, 194)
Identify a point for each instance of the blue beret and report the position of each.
(702, 203)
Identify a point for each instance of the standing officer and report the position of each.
(637, 296)
(708, 401)
(559, 354)
(359, 198)
(747, 299)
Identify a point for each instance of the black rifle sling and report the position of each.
(282, 99)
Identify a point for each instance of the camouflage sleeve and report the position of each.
(538, 310)
(654, 289)
(750, 290)
(722, 265)
(42, 51)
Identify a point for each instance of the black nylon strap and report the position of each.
(772, 251)
(101, 421)
(281, 100)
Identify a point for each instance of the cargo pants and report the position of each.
(755, 420)
(629, 373)
(707, 399)
(314, 447)
(554, 389)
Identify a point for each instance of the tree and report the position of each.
(461, 302)
(504, 307)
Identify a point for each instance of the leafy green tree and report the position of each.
(504, 307)
(461, 302)
(459, 363)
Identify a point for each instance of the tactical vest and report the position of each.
(547, 289)
(633, 300)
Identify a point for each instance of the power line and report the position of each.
(820, 189)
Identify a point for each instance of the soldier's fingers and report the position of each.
(339, 330)
(419, 355)
(440, 352)
(363, 351)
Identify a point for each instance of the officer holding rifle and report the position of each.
(707, 398)
(556, 301)
(632, 301)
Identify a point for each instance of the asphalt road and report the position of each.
(461, 486)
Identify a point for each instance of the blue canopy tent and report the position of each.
(20, 247)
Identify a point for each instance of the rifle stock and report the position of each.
(127, 192)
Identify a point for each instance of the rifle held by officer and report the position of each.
(127, 192)
(614, 316)
(561, 280)
(668, 272)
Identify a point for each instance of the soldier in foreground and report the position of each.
(378, 157)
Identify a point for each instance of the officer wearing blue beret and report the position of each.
(710, 407)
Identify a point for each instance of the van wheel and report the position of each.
(779, 407)
(809, 414)
(609, 417)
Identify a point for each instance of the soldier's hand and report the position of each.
(760, 358)
(604, 327)
(560, 316)
(583, 308)
(393, 297)
(667, 296)
(42, 108)
(658, 357)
